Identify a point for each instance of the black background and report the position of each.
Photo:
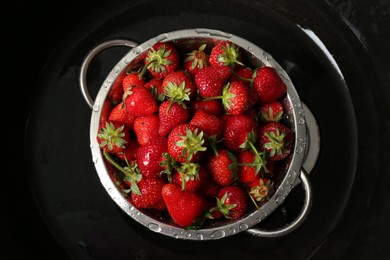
(32, 33)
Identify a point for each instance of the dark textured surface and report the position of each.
(54, 205)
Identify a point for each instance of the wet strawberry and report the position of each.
(133, 79)
(171, 115)
(268, 85)
(239, 131)
(222, 167)
(149, 157)
(212, 106)
(191, 176)
(130, 151)
(184, 207)
(186, 143)
(154, 85)
(251, 166)
(179, 87)
(150, 197)
(113, 136)
(276, 139)
(146, 128)
(210, 124)
(119, 114)
(139, 102)
(232, 201)
(196, 60)
(225, 54)
(242, 74)
(208, 82)
(116, 91)
(271, 112)
(161, 59)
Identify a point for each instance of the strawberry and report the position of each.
(149, 157)
(161, 59)
(191, 176)
(242, 74)
(186, 143)
(225, 54)
(212, 106)
(179, 87)
(268, 85)
(261, 190)
(113, 136)
(276, 139)
(150, 194)
(195, 60)
(146, 128)
(210, 124)
(239, 132)
(155, 87)
(119, 114)
(271, 112)
(106, 110)
(184, 207)
(251, 165)
(171, 115)
(235, 98)
(222, 167)
(133, 79)
(130, 151)
(208, 82)
(210, 188)
(232, 201)
(116, 90)
(139, 102)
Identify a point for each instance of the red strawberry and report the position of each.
(212, 106)
(210, 124)
(150, 197)
(239, 132)
(226, 54)
(154, 85)
(146, 128)
(113, 136)
(106, 110)
(195, 60)
(149, 157)
(130, 151)
(236, 98)
(242, 74)
(232, 201)
(208, 82)
(171, 115)
(222, 167)
(161, 59)
(179, 87)
(250, 166)
(119, 114)
(116, 91)
(139, 102)
(132, 79)
(276, 139)
(261, 189)
(186, 143)
(210, 188)
(271, 112)
(184, 207)
(268, 85)
(190, 176)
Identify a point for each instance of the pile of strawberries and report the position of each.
(195, 136)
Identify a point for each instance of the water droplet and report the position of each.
(96, 108)
(109, 81)
(299, 149)
(155, 227)
(279, 199)
(232, 231)
(109, 190)
(161, 37)
(117, 69)
(200, 236)
(131, 208)
(297, 105)
(301, 121)
(218, 234)
(300, 139)
(95, 159)
(301, 112)
(137, 50)
(258, 220)
(243, 226)
(127, 61)
(175, 235)
(188, 234)
(249, 48)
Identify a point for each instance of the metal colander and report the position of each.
(295, 117)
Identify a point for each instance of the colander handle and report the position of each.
(298, 221)
(88, 59)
